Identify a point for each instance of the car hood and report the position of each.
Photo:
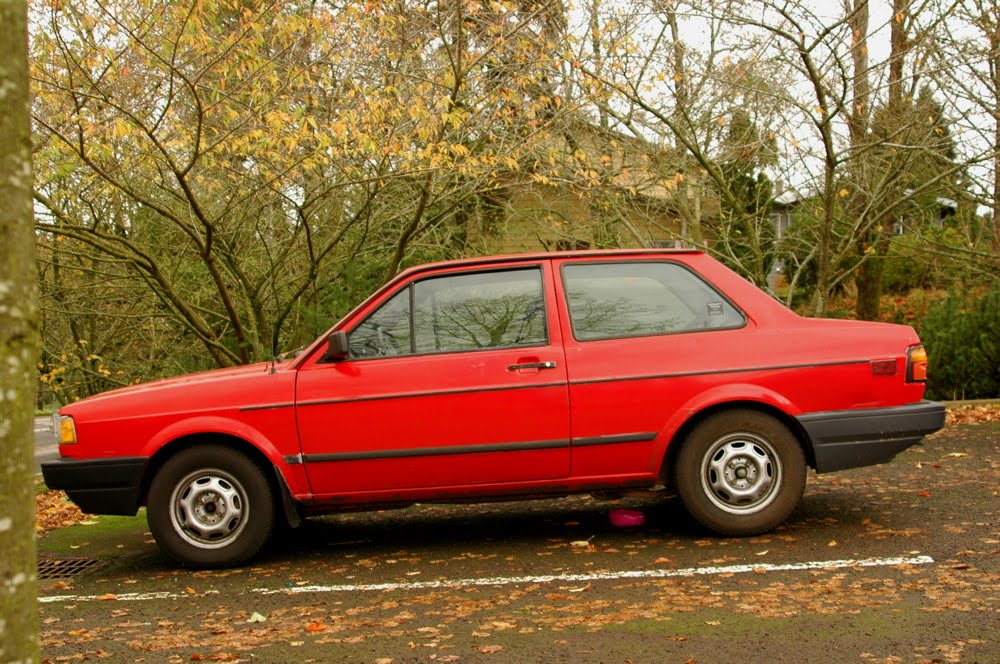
(194, 389)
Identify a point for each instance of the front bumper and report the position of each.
(853, 438)
(98, 486)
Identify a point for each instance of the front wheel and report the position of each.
(740, 472)
(210, 507)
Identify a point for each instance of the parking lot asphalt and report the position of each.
(893, 563)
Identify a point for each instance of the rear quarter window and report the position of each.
(622, 300)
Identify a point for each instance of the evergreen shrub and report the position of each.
(962, 337)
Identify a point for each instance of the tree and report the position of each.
(902, 149)
(252, 168)
(967, 64)
(702, 106)
(18, 343)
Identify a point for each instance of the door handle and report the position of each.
(532, 365)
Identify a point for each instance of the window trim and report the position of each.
(657, 261)
(411, 285)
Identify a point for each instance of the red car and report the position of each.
(512, 377)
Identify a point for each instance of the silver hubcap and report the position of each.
(741, 473)
(209, 508)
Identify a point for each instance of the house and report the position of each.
(590, 187)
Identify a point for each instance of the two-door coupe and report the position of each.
(508, 377)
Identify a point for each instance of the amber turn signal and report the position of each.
(916, 364)
(65, 429)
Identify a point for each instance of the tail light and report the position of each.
(916, 364)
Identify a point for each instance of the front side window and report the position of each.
(481, 310)
(386, 332)
(618, 300)
(459, 312)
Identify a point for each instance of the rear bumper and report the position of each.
(98, 486)
(853, 438)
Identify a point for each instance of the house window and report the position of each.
(782, 220)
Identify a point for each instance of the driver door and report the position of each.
(454, 379)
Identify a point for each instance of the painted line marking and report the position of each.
(517, 580)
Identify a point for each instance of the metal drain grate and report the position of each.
(61, 568)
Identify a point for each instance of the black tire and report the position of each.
(740, 472)
(210, 507)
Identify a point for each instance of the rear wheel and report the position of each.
(740, 472)
(210, 506)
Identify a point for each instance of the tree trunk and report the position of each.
(869, 283)
(868, 277)
(18, 346)
(994, 39)
(874, 243)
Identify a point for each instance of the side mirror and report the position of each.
(337, 347)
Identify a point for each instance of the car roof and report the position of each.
(542, 255)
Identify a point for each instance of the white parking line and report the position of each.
(516, 580)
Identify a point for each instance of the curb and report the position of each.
(972, 402)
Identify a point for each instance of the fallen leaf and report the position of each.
(973, 414)
(108, 597)
(581, 544)
(832, 543)
(315, 627)
(713, 622)
(54, 510)
(580, 589)
(924, 494)
(488, 650)
(256, 618)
